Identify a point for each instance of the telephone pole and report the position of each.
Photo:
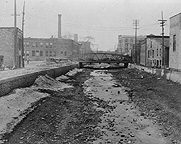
(15, 35)
(135, 24)
(162, 24)
(23, 35)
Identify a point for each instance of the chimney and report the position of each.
(59, 25)
(76, 37)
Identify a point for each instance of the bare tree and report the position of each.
(68, 36)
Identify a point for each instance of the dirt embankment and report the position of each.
(158, 99)
(64, 117)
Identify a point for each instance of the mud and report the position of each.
(116, 107)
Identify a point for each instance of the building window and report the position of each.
(151, 45)
(131, 41)
(152, 53)
(37, 53)
(157, 52)
(61, 52)
(160, 52)
(65, 53)
(27, 53)
(174, 42)
(54, 53)
(47, 44)
(36, 44)
(33, 53)
(33, 45)
(51, 45)
(27, 44)
(126, 47)
(50, 53)
(46, 53)
(41, 53)
(41, 44)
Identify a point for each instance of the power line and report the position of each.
(162, 24)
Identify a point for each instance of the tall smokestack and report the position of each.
(59, 25)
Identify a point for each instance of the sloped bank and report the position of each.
(157, 99)
(171, 74)
(25, 80)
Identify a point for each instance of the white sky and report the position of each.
(102, 19)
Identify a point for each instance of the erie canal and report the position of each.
(94, 108)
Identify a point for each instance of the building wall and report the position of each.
(85, 47)
(12, 55)
(125, 44)
(151, 51)
(143, 52)
(38, 49)
(175, 29)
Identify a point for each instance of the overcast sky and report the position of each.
(102, 19)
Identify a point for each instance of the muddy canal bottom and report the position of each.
(123, 123)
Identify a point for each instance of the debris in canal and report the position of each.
(102, 106)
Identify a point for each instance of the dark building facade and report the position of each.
(11, 47)
(38, 49)
(151, 52)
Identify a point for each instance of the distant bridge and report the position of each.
(103, 57)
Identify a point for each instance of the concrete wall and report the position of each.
(6, 86)
(175, 29)
(12, 56)
(7, 46)
(172, 75)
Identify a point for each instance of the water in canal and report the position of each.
(123, 124)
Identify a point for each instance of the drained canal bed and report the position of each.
(121, 122)
(93, 109)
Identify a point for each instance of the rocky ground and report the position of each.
(70, 116)
(157, 98)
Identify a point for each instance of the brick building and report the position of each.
(11, 47)
(126, 43)
(151, 53)
(38, 49)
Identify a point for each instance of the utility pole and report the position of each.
(162, 24)
(15, 36)
(135, 24)
(23, 35)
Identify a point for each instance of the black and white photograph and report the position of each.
(90, 72)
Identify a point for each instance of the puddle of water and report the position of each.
(123, 124)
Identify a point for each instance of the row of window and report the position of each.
(155, 63)
(47, 53)
(131, 41)
(40, 44)
(151, 53)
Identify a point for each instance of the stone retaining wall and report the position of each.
(172, 75)
(7, 85)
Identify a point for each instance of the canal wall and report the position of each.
(172, 75)
(25, 80)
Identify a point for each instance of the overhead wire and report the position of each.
(89, 27)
